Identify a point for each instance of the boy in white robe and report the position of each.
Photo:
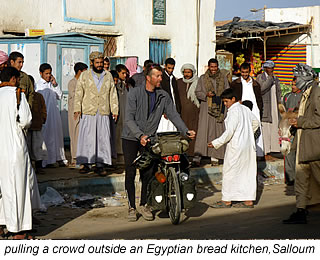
(52, 129)
(17, 182)
(240, 166)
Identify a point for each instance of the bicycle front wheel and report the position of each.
(174, 197)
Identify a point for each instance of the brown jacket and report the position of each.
(27, 86)
(309, 123)
(38, 111)
(236, 85)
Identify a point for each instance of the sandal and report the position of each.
(23, 235)
(242, 205)
(221, 204)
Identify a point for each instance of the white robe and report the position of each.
(240, 166)
(18, 184)
(248, 94)
(166, 125)
(52, 129)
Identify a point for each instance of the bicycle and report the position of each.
(171, 188)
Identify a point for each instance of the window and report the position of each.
(159, 50)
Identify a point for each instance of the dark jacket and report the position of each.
(137, 122)
(165, 85)
(139, 79)
(39, 112)
(237, 86)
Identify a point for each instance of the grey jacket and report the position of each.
(137, 122)
(266, 84)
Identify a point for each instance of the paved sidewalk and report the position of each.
(69, 180)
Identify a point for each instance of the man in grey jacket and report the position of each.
(144, 108)
(271, 96)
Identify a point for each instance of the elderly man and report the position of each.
(95, 98)
(210, 87)
(307, 182)
(190, 105)
(271, 96)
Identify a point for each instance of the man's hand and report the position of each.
(210, 94)
(144, 140)
(191, 134)
(293, 122)
(115, 117)
(76, 115)
(53, 81)
(165, 116)
(210, 145)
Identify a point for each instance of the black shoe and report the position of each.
(299, 217)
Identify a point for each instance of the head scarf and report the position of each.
(193, 83)
(3, 57)
(305, 76)
(131, 64)
(268, 64)
(96, 55)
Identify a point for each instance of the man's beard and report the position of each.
(96, 70)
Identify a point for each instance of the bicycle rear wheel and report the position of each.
(174, 197)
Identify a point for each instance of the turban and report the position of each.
(3, 57)
(131, 64)
(96, 55)
(188, 66)
(305, 75)
(193, 83)
(268, 64)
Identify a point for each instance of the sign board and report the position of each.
(34, 32)
(159, 12)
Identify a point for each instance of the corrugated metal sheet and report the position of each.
(285, 58)
(159, 50)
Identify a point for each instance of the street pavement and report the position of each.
(275, 202)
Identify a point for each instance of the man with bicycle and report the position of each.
(144, 109)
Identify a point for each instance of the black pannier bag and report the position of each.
(156, 195)
(189, 193)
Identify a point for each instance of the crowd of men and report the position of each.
(111, 114)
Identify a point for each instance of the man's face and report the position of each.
(46, 75)
(229, 102)
(169, 68)
(106, 65)
(98, 65)
(213, 67)
(294, 86)
(245, 73)
(18, 63)
(187, 74)
(122, 75)
(269, 71)
(155, 78)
